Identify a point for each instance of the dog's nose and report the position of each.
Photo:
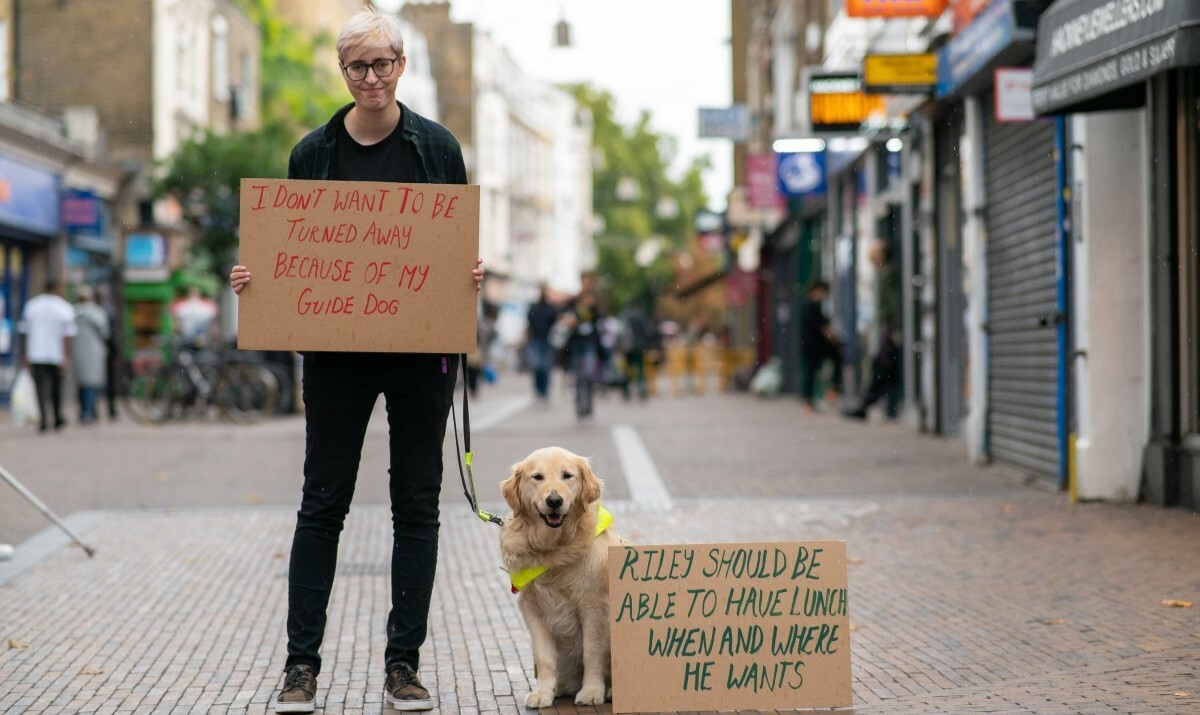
(554, 501)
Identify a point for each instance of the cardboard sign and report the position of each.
(705, 627)
(358, 266)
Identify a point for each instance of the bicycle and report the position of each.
(196, 379)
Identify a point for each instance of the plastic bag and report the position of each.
(768, 381)
(24, 399)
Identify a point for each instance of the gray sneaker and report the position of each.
(403, 690)
(299, 691)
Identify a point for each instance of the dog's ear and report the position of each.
(510, 489)
(592, 485)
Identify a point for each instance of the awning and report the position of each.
(1094, 54)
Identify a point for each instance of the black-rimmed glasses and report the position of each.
(358, 70)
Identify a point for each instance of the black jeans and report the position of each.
(885, 376)
(340, 391)
(815, 357)
(48, 380)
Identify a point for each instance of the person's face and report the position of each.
(372, 91)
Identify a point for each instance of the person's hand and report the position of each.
(476, 274)
(239, 277)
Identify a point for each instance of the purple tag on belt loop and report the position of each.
(445, 365)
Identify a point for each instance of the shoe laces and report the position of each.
(299, 677)
(402, 674)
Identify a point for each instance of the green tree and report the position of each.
(637, 201)
(204, 174)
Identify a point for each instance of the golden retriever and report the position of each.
(555, 500)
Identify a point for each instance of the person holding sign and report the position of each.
(375, 138)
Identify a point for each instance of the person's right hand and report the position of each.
(239, 276)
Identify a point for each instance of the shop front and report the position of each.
(1126, 74)
(29, 225)
(1002, 326)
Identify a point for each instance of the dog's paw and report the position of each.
(539, 699)
(590, 696)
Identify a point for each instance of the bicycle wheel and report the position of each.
(241, 394)
(156, 397)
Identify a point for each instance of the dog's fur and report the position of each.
(554, 496)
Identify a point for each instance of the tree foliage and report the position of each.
(204, 174)
(637, 201)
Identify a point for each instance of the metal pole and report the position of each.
(12, 481)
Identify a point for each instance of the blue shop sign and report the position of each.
(82, 213)
(970, 52)
(29, 197)
(802, 175)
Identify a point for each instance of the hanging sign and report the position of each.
(837, 102)
(895, 8)
(900, 74)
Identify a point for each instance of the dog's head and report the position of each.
(551, 483)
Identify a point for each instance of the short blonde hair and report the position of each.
(370, 26)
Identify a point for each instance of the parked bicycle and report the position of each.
(197, 379)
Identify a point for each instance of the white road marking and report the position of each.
(645, 483)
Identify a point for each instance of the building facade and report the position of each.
(1037, 195)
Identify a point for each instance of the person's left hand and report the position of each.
(477, 274)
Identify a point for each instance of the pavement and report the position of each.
(972, 590)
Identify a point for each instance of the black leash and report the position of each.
(468, 456)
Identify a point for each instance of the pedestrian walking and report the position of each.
(89, 352)
(112, 362)
(375, 138)
(538, 351)
(479, 363)
(638, 335)
(818, 343)
(885, 365)
(48, 324)
(582, 317)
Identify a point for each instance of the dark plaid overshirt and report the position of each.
(441, 155)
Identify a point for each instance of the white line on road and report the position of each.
(645, 483)
(497, 413)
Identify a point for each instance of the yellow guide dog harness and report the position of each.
(523, 577)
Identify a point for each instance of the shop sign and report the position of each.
(146, 257)
(762, 181)
(837, 102)
(81, 212)
(802, 175)
(29, 197)
(895, 8)
(900, 74)
(970, 51)
(1014, 94)
(1091, 48)
(734, 123)
(964, 11)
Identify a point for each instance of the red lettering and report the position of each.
(378, 306)
(338, 304)
(443, 207)
(409, 276)
(262, 191)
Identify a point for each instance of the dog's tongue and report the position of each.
(554, 518)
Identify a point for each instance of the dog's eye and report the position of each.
(567, 475)
(537, 477)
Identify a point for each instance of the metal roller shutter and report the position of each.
(1021, 217)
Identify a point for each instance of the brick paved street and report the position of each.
(970, 591)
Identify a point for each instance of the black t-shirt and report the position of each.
(392, 159)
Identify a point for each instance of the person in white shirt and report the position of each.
(48, 324)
